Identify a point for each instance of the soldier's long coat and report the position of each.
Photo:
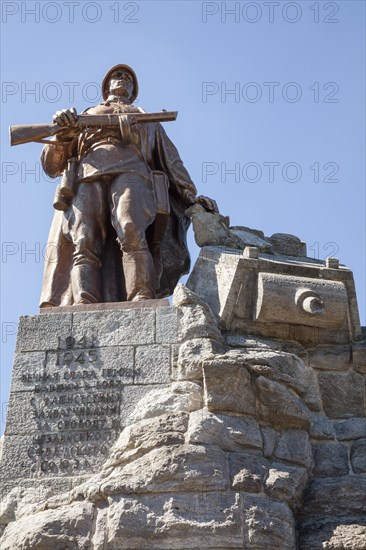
(160, 154)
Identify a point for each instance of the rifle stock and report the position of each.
(34, 132)
(37, 132)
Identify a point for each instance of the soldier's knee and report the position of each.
(133, 238)
(87, 250)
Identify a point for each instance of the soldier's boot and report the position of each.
(86, 284)
(139, 272)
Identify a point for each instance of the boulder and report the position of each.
(286, 483)
(330, 459)
(178, 397)
(247, 472)
(145, 435)
(170, 469)
(227, 387)
(341, 534)
(186, 520)
(337, 497)
(191, 354)
(229, 432)
(67, 527)
(279, 407)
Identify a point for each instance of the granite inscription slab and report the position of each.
(76, 380)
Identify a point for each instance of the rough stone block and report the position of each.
(99, 535)
(152, 364)
(244, 430)
(228, 388)
(286, 483)
(27, 366)
(312, 397)
(250, 237)
(67, 527)
(285, 243)
(229, 432)
(26, 491)
(116, 328)
(331, 459)
(118, 363)
(286, 368)
(8, 506)
(343, 394)
(167, 325)
(171, 469)
(268, 524)
(24, 501)
(205, 428)
(282, 367)
(155, 401)
(27, 457)
(358, 456)
(41, 332)
(337, 497)
(341, 534)
(359, 357)
(294, 446)
(321, 427)
(21, 415)
(184, 296)
(168, 521)
(197, 321)
(279, 407)
(269, 436)
(145, 435)
(331, 357)
(211, 228)
(191, 354)
(247, 472)
(352, 428)
(259, 343)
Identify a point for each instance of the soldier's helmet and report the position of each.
(120, 67)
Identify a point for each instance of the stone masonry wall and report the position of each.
(76, 378)
(253, 445)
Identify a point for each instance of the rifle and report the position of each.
(37, 132)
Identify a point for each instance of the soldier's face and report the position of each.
(121, 84)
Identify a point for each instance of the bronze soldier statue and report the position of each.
(123, 234)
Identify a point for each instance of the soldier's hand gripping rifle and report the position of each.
(38, 133)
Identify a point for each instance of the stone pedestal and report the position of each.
(278, 296)
(77, 377)
(214, 423)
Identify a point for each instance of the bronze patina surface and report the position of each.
(119, 230)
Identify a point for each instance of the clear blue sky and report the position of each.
(296, 70)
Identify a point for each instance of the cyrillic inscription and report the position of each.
(76, 406)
